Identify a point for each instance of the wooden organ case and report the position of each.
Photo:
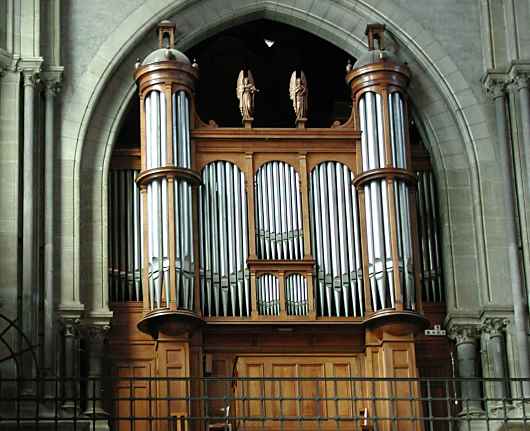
(272, 252)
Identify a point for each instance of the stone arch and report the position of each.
(443, 99)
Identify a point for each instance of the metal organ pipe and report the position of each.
(336, 240)
(224, 241)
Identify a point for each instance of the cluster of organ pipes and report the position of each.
(268, 295)
(279, 232)
(125, 275)
(225, 285)
(296, 295)
(224, 275)
(432, 288)
(335, 241)
(157, 202)
(381, 266)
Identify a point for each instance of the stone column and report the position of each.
(51, 89)
(466, 337)
(95, 335)
(521, 85)
(496, 90)
(29, 237)
(2, 71)
(70, 333)
(496, 348)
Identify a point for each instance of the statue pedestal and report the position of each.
(247, 122)
(301, 122)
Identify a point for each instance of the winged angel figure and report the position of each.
(298, 94)
(245, 92)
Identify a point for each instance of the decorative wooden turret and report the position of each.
(168, 188)
(386, 182)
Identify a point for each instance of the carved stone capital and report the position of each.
(96, 334)
(52, 77)
(495, 87)
(31, 77)
(520, 81)
(494, 326)
(465, 333)
(52, 88)
(70, 327)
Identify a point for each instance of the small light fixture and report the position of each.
(269, 42)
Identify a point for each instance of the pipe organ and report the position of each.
(323, 240)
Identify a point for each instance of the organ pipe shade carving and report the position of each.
(159, 218)
(278, 212)
(224, 276)
(432, 289)
(296, 295)
(378, 213)
(124, 227)
(268, 295)
(336, 240)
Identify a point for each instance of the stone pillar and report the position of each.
(496, 349)
(70, 338)
(496, 89)
(29, 237)
(465, 337)
(521, 85)
(95, 336)
(2, 71)
(50, 357)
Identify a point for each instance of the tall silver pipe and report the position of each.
(137, 238)
(317, 236)
(326, 240)
(298, 213)
(122, 192)
(130, 235)
(164, 216)
(284, 216)
(244, 229)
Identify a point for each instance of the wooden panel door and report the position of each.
(296, 394)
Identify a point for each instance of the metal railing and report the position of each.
(259, 403)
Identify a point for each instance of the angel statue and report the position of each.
(245, 91)
(298, 93)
